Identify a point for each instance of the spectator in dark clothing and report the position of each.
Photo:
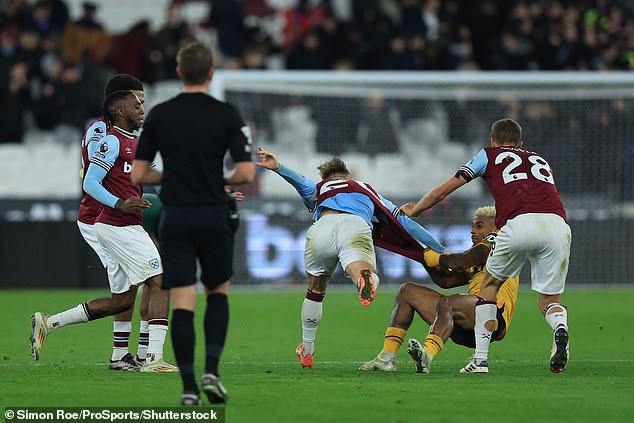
(174, 34)
(376, 134)
(15, 100)
(41, 19)
(16, 13)
(70, 97)
(59, 14)
(308, 54)
(227, 17)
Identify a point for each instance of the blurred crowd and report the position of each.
(52, 68)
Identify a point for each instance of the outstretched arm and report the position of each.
(434, 196)
(447, 279)
(305, 187)
(474, 256)
(448, 270)
(472, 169)
(458, 261)
(419, 233)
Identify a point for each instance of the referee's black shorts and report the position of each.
(190, 233)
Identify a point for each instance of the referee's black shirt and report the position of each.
(193, 131)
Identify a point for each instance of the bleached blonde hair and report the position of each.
(485, 211)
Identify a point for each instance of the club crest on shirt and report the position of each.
(154, 263)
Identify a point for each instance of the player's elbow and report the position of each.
(244, 173)
(88, 185)
(138, 174)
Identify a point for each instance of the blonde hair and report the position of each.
(485, 211)
(332, 167)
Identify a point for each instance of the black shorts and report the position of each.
(467, 337)
(190, 233)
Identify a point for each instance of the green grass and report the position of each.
(267, 384)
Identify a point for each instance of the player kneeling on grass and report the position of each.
(132, 256)
(448, 316)
(342, 231)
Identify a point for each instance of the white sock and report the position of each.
(387, 356)
(157, 329)
(69, 317)
(311, 316)
(120, 339)
(556, 318)
(144, 340)
(484, 312)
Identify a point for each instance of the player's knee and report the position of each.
(443, 306)
(123, 303)
(154, 282)
(405, 291)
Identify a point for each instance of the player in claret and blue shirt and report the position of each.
(133, 258)
(532, 222)
(350, 217)
(89, 209)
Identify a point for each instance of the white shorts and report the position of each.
(129, 250)
(341, 237)
(542, 238)
(88, 232)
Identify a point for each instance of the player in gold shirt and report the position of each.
(448, 316)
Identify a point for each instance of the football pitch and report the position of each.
(267, 384)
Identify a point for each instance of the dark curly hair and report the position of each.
(109, 104)
(121, 82)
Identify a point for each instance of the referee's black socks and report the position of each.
(183, 340)
(216, 323)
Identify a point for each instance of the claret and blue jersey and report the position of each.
(354, 203)
(519, 180)
(108, 176)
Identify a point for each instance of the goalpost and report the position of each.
(405, 132)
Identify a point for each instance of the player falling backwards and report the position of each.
(132, 256)
(342, 232)
(450, 316)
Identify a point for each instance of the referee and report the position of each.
(193, 131)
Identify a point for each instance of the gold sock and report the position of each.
(433, 344)
(393, 339)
